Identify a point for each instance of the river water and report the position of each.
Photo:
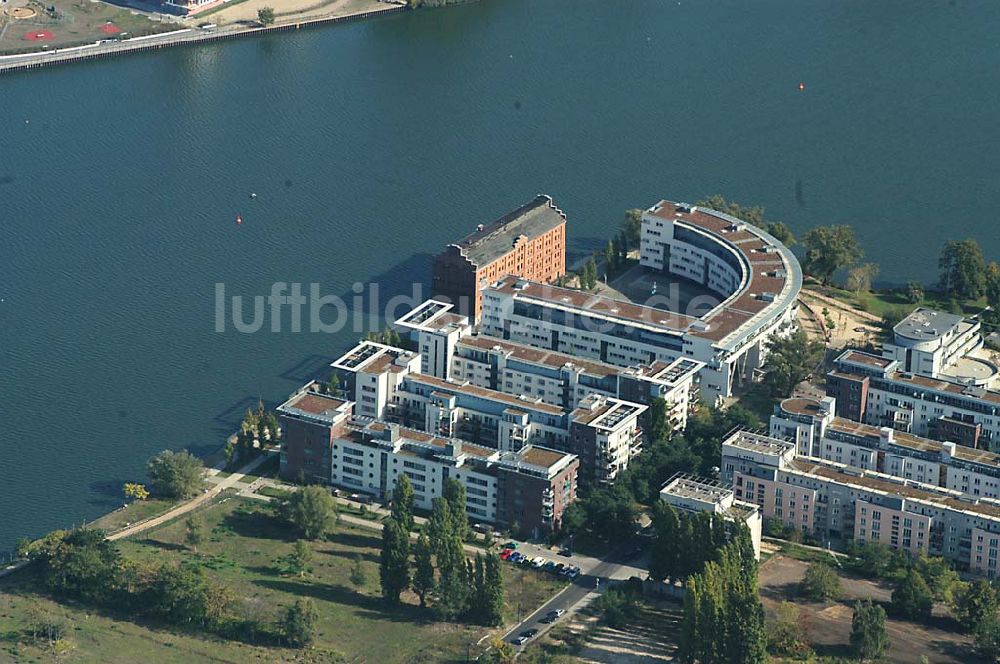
(371, 145)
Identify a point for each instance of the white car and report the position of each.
(537, 562)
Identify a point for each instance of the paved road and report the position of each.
(578, 594)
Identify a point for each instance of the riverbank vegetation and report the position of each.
(237, 598)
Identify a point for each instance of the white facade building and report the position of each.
(756, 278)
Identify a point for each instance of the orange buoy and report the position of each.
(239, 220)
(802, 86)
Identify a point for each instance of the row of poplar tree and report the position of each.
(457, 588)
(715, 560)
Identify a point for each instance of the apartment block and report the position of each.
(435, 328)
(756, 279)
(564, 380)
(370, 373)
(818, 432)
(310, 421)
(604, 433)
(876, 390)
(839, 502)
(528, 242)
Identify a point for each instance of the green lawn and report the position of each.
(243, 550)
(135, 512)
(882, 302)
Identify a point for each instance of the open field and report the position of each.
(243, 550)
(828, 625)
(649, 639)
(73, 23)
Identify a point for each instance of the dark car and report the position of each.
(565, 552)
(529, 633)
(553, 616)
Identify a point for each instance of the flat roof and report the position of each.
(606, 413)
(495, 239)
(314, 405)
(803, 406)
(860, 357)
(755, 442)
(702, 489)
(924, 324)
(370, 356)
(432, 316)
(538, 356)
(666, 372)
(541, 456)
(483, 393)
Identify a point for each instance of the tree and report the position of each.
(632, 228)
(453, 590)
(781, 233)
(667, 554)
(962, 269)
(358, 576)
(785, 635)
(868, 638)
(299, 558)
(610, 256)
(828, 249)
(183, 595)
(977, 605)
(299, 625)
(402, 503)
(265, 15)
(658, 418)
(333, 384)
(194, 532)
(912, 597)
(991, 285)
(789, 361)
(310, 510)
(860, 278)
(175, 474)
(942, 580)
(423, 572)
(820, 583)
(988, 638)
(493, 591)
(439, 525)
(136, 491)
(79, 563)
(914, 292)
(454, 494)
(394, 562)
(501, 652)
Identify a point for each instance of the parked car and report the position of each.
(559, 567)
(537, 562)
(553, 616)
(530, 633)
(510, 545)
(519, 640)
(548, 566)
(565, 552)
(514, 557)
(571, 572)
(505, 554)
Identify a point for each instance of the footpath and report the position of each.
(184, 36)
